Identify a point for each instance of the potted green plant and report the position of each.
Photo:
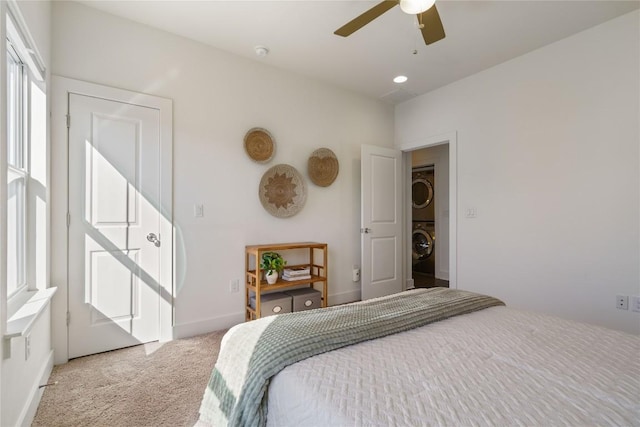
(272, 263)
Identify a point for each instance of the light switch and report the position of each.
(198, 210)
(470, 213)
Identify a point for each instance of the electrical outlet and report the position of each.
(622, 302)
(234, 286)
(356, 273)
(635, 303)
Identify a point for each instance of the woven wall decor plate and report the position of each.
(259, 145)
(323, 167)
(282, 191)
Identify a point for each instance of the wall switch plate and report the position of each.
(622, 302)
(356, 273)
(198, 210)
(635, 303)
(234, 286)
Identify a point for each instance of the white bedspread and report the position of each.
(498, 366)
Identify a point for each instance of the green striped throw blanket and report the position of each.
(252, 353)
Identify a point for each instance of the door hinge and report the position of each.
(68, 318)
(68, 219)
(68, 121)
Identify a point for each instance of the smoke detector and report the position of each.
(261, 51)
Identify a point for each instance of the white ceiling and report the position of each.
(299, 36)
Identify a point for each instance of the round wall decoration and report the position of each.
(259, 145)
(323, 167)
(282, 191)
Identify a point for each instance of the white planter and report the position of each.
(272, 278)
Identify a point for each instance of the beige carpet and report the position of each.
(157, 384)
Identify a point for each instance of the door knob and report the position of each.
(153, 239)
(366, 230)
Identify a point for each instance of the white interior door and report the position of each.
(381, 173)
(114, 238)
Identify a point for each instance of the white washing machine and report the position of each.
(423, 247)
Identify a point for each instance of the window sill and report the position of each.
(22, 321)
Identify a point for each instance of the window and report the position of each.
(25, 168)
(17, 172)
(26, 164)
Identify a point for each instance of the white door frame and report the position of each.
(450, 138)
(61, 87)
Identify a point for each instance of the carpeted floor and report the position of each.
(156, 384)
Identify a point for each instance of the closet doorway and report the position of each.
(430, 216)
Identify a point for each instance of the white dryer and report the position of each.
(422, 193)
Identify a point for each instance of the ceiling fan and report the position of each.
(428, 18)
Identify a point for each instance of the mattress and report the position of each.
(498, 366)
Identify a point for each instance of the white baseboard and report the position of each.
(344, 297)
(30, 408)
(190, 329)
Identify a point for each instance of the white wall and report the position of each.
(548, 154)
(217, 98)
(19, 376)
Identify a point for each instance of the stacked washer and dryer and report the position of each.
(423, 236)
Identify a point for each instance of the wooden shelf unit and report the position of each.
(256, 283)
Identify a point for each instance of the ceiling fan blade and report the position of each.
(362, 20)
(432, 29)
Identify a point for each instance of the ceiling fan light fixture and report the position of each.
(400, 79)
(414, 7)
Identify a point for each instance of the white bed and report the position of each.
(497, 366)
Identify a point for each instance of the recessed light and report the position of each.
(261, 51)
(400, 79)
